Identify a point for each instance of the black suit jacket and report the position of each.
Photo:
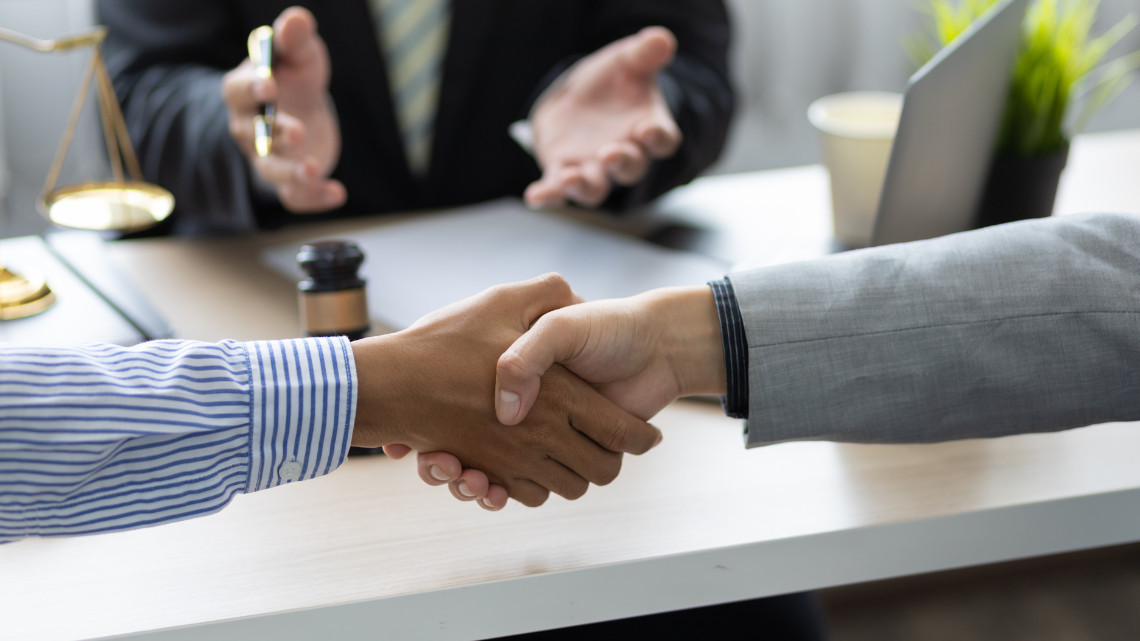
(167, 59)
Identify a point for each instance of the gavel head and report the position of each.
(332, 299)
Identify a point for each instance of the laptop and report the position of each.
(952, 111)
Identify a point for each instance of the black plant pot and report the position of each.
(1019, 188)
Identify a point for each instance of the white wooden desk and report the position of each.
(371, 552)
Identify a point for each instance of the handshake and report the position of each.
(524, 390)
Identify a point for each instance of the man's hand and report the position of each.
(439, 468)
(428, 387)
(603, 121)
(306, 137)
(641, 352)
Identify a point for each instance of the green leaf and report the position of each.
(1057, 56)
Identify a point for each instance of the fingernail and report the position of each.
(509, 405)
(660, 436)
(258, 89)
(437, 473)
(463, 489)
(487, 505)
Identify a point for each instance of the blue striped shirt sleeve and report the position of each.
(106, 438)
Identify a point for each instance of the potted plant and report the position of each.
(1059, 81)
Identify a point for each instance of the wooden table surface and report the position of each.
(369, 551)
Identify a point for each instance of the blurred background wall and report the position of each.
(786, 53)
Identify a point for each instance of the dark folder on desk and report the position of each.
(94, 302)
(418, 265)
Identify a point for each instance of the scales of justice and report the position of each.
(119, 204)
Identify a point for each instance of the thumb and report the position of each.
(649, 50)
(295, 35)
(518, 374)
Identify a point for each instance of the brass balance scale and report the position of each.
(118, 204)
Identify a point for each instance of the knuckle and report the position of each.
(613, 438)
(512, 365)
(554, 323)
(548, 286)
(496, 291)
(555, 283)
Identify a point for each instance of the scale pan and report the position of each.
(108, 206)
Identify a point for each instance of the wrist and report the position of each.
(691, 338)
(380, 360)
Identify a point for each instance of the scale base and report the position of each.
(21, 297)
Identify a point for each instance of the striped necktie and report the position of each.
(414, 33)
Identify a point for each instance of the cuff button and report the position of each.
(289, 471)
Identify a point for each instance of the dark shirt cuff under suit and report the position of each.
(735, 345)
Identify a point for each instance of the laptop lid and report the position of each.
(952, 110)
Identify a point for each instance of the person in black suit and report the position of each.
(620, 113)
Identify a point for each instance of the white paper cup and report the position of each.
(856, 130)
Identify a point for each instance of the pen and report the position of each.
(260, 46)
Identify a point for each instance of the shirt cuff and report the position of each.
(735, 345)
(303, 407)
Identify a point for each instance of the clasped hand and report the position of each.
(640, 353)
(429, 388)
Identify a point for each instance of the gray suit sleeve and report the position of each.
(1027, 327)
